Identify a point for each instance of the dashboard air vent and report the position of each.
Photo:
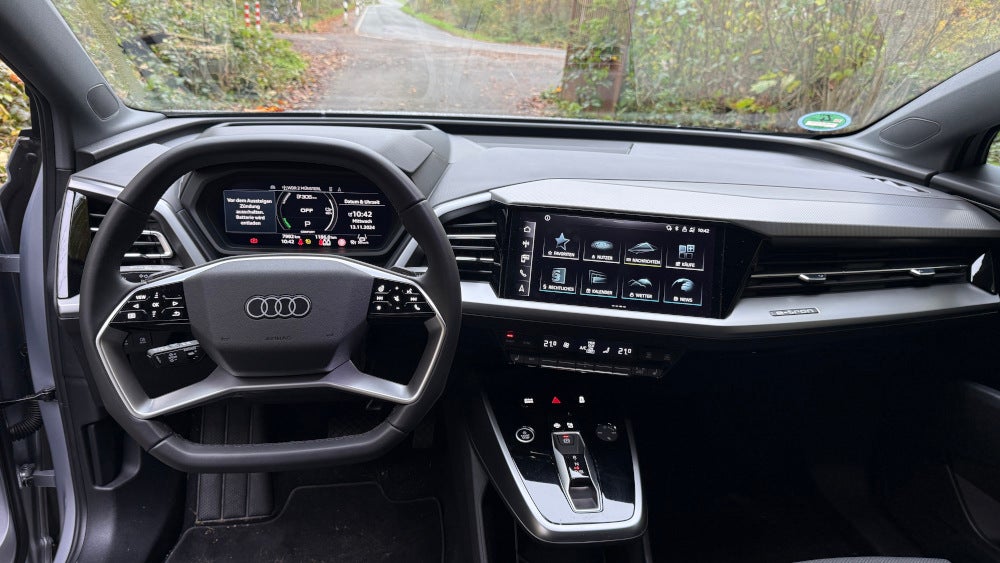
(473, 238)
(792, 271)
(150, 248)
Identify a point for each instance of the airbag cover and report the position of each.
(278, 316)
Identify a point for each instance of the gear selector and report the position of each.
(576, 472)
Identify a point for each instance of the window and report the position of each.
(14, 114)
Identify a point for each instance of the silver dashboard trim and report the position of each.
(220, 384)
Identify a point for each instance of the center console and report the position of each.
(564, 460)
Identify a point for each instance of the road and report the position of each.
(397, 63)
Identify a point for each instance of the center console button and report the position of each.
(525, 434)
(606, 432)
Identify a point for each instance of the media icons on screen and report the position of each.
(688, 256)
(558, 279)
(642, 252)
(561, 244)
(641, 287)
(558, 275)
(683, 291)
(599, 283)
(602, 250)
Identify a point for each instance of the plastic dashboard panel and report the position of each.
(773, 194)
(769, 210)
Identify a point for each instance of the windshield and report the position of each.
(782, 66)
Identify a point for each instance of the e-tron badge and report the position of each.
(278, 306)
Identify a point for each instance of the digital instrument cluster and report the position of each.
(666, 266)
(335, 212)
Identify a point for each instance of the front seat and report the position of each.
(877, 560)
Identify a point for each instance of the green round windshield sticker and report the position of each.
(824, 121)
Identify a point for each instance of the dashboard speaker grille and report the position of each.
(794, 271)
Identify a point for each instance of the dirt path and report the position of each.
(392, 62)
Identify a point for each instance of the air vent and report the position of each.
(795, 271)
(473, 238)
(150, 247)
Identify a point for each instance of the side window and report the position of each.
(14, 114)
(993, 157)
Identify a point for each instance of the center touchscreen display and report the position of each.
(666, 266)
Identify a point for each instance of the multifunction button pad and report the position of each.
(162, 304)
(397, 299)
(177, 354)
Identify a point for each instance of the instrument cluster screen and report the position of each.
(666, 266)
(343, 213)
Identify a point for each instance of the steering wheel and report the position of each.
(271, 323)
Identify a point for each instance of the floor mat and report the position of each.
(335, 524)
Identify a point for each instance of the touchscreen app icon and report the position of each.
(683, 284)
(685, 251)
(562, 241)
(642, 248)
(641, 283)
(559, 275)
(597, 277)
(602, 245)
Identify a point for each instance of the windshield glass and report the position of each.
(783, 66)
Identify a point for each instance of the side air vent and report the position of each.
(473, 238)
(792, 271)
(150, 248)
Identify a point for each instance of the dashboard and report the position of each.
(681, 239)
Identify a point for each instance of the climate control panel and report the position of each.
(587, 353)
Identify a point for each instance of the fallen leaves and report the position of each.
(314, 84)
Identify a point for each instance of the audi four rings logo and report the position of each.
(278, 306)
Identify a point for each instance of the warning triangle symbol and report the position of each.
(556, 401)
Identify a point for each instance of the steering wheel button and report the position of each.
(172, 292)
(131, 317)
(418, 307)
(139, 297)
(174, 314)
